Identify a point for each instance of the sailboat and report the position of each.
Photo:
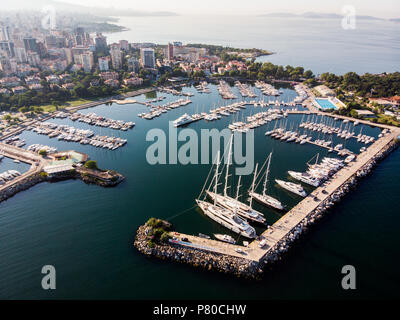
(264, 198)
(233, 204)
(223, 216)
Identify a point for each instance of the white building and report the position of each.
(124, 45)
(103, 63)
(87, 61)
(20, 54)
(116, 56)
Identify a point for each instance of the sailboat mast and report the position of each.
(253, 184)
(216, 179)
(266, 174)
(238, 188)
(227, 167)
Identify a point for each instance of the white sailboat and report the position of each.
(224, 216)
(264, 198)
(233, 204)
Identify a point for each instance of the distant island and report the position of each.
(316, 15)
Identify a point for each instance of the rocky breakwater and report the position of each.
(275, 253)
(154, 239)
(91, 174)
(24, 184)
(107, 178)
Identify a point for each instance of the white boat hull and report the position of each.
(204, 207)
(267, 201)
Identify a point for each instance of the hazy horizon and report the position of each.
(385, 9)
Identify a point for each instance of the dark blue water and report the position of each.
(87, 232)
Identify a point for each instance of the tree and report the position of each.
(199, 74)
(354, 113)
(91, 164)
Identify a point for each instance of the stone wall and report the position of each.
(21, 186)
(206, 260)
(242, 267)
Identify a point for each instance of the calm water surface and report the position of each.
(321, 45)
(87, 232)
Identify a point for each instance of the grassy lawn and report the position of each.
(387, 120)
(72, 103)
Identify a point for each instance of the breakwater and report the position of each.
(254, 260)
(103, 179)
(275, 253)
(24, 184)
(198, 258)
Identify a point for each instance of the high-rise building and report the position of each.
(124, 44)
(20, 54)
(30, 44)
(5, 65)
(51, 42)
(100, 42)
(116, 56)
(133, 64)
(104, 63)
(87, 61)
(147, 57)
(33, 58)
(42, 50)
(68, 55)
(5, 33)
(170, 52)
(7, 48)
(78, 40)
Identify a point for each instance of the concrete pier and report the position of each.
(289, 226)
(26, 179)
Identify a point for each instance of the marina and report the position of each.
(246, 251)
(71, 134)
(277, 239)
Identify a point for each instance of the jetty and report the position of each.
(250, 261)
(50, 168)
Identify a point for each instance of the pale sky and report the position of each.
(381, 8)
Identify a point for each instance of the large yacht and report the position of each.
(223, 215)
(305, 177)
(227, 218)
(185, 119)
(238, 207)
(292, 187)
(234, 204)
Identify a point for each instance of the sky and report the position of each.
(381, 8)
